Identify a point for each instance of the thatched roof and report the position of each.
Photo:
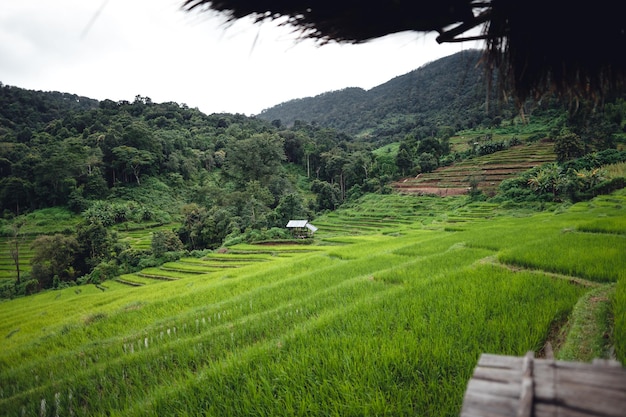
(572, 48)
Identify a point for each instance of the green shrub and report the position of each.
(7, 289)
(29, 287)
(165, 241)
(607, 187)
(131, 257)
(104, 271)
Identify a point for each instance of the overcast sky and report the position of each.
(117, 49)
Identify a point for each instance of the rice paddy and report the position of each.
(385, 314)
(486, 171)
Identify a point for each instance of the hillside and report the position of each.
(484, 172)
(156, 276)
(448, 92)
(25, 111)
(207, 181)
(386, 314)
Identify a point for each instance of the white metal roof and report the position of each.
(297, 223)
(301, 224)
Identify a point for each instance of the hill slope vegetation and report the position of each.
(367, 323)
(451, 91)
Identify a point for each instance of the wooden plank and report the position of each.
(547, 388)
(586, 366)
(545, 374)
(511, 389)
(477, 410)
(592, 377)
(499, 361)
(526, 399)
(501, 406)
(553, 410)
(498, 374)
(548, 351)
(596, 401)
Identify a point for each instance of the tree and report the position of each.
(258, 158)
(190, 233)
(133, 160)
(96, 244)
(309, 149)
(16, 228)
(15, 193)
(256, 206)
(53, 258)
(293, 144)
(568, 145)
(404, 161)
(427, 162)
(333, 168)
(165, 241)
(328, 195)
(290, 207)
(431, 146)
(359, 168)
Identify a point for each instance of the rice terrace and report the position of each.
(357, 253)
(385, 313)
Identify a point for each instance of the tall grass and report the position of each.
(369, 324)
(406, 351)
(616, 170)
(618, 304)
(594, 257)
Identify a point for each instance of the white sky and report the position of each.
(117, 49)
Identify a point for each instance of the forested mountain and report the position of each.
(221, 178)
(451, 91)
(26, 110)
(128, 164)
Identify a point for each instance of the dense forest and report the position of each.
(450, 92)
(224, 178)
(218, 177)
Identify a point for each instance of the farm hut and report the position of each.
(301, 228)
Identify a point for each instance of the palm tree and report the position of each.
(549, 179)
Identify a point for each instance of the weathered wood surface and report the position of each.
(507, 386)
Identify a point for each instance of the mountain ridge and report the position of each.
(451, 91)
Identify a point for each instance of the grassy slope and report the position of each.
(386, 315)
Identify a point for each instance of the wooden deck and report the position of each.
(529, 387)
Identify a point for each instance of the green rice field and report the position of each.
(385, 314)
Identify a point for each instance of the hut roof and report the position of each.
(538, 46)
(297, 223)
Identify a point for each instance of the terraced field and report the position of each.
(141, 238)
(388, 318)
(211, 265)
(488, 171)
(393, 213)
(46, 221)
(7, 265)
(138, 239)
